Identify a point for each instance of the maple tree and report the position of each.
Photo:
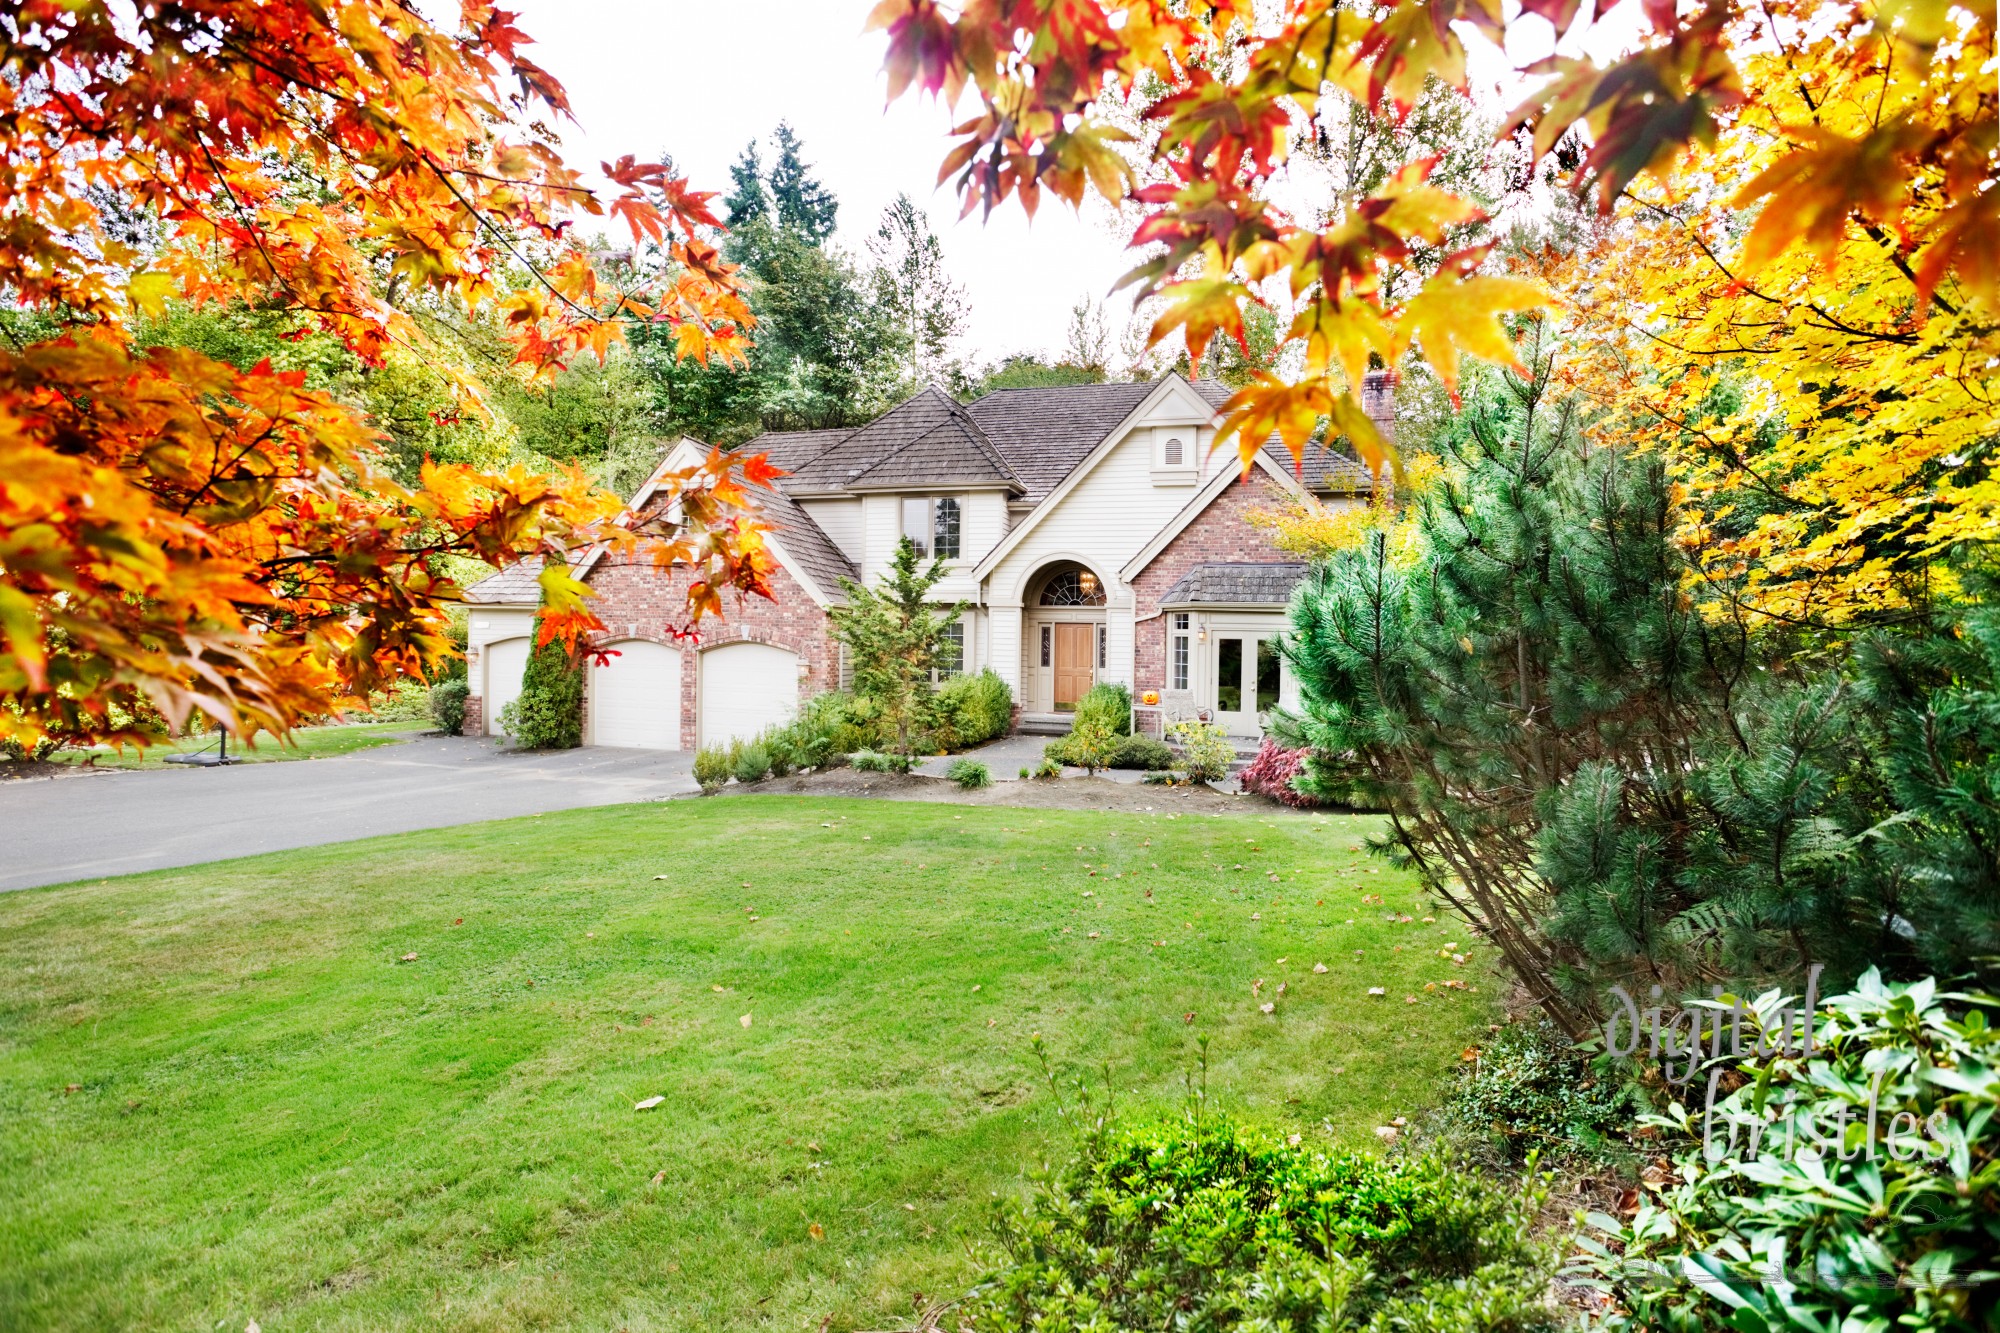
(1224, 87)
(180, 534)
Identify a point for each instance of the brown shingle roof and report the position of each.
(926, 440)
(513, 586)
(1043, 433)
(806, 544)
(1236, 583)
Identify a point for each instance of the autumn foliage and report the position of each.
(1854, 133)
(182, 535)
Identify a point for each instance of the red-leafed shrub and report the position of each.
(1271, 773)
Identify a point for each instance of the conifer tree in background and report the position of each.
(893, 634)
(748, 200)
(803, 205)
(912, 287)
(548, 713)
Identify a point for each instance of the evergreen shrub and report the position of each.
(1109, 704)
(970, 774)
(970, 710)
(753, 763)
(711, 767)
(548, 713)
(448, 704)
(1141, 752)
(1204, 1224)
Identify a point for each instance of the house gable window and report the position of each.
(1182, 653)
(934, 525)
(1173, 453)
(1073, 587)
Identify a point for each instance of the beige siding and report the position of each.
(841, 520)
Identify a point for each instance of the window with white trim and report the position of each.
(1182, 652)
(935, 525)
(1173, 453)
(951, 652)
(917, 524)
(944, 529)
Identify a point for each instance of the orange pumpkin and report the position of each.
(1149, 698)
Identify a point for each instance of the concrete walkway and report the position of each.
(54, 830)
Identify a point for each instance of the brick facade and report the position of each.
(638, 600)
(1220, 532)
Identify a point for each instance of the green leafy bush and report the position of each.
(1849, 1188)
(1108, 704)
(1204, 1225)
(448, 704)
(410, 701)
(1090, 745)
(970, 774)
(1141, 752)
(1532, 1090)
(970, 710)
(753, 763)
(548, 713)
(1206, 753)
(711, 767)
(872, 761)
(1045, 771)
(1158, 778)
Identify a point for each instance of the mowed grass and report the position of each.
(304, 743)
(225, 1098)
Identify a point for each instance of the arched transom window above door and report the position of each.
(1072, 587)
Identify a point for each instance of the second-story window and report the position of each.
(944, 526)
(917, 524)
(1176, 453)
(934, 526)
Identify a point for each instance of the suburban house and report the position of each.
(1089, 530)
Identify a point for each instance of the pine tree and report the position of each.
(748, 202)
(928, 309)
(893, 634)
(1608, 785)
(804, 207)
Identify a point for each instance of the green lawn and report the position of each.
(225, 1097)
(305, 743)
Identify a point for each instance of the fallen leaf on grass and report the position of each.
(745, 1020)
(816, 1231)
(1319, 967)
(647, 1104)
(408, 958)
(1267, 1007)
(660, 1178)
(1378, 990)
(659, 877)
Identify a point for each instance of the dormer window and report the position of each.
(1174, 453)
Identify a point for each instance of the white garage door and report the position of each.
(635, 700)
(746, 687)
(505, 660)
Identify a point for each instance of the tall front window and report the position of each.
(1048, 644)
(1103, 646)
(951, 650)
(1181, 653)
(944, 527)
(917, 524)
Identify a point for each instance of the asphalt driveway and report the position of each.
(54, 830)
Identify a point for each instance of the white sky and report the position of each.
(699, 78)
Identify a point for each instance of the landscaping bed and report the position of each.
(1070, 793)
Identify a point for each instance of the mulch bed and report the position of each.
(1056, 794)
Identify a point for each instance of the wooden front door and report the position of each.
(1076, 664)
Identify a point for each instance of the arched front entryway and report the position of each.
(1063, 641)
